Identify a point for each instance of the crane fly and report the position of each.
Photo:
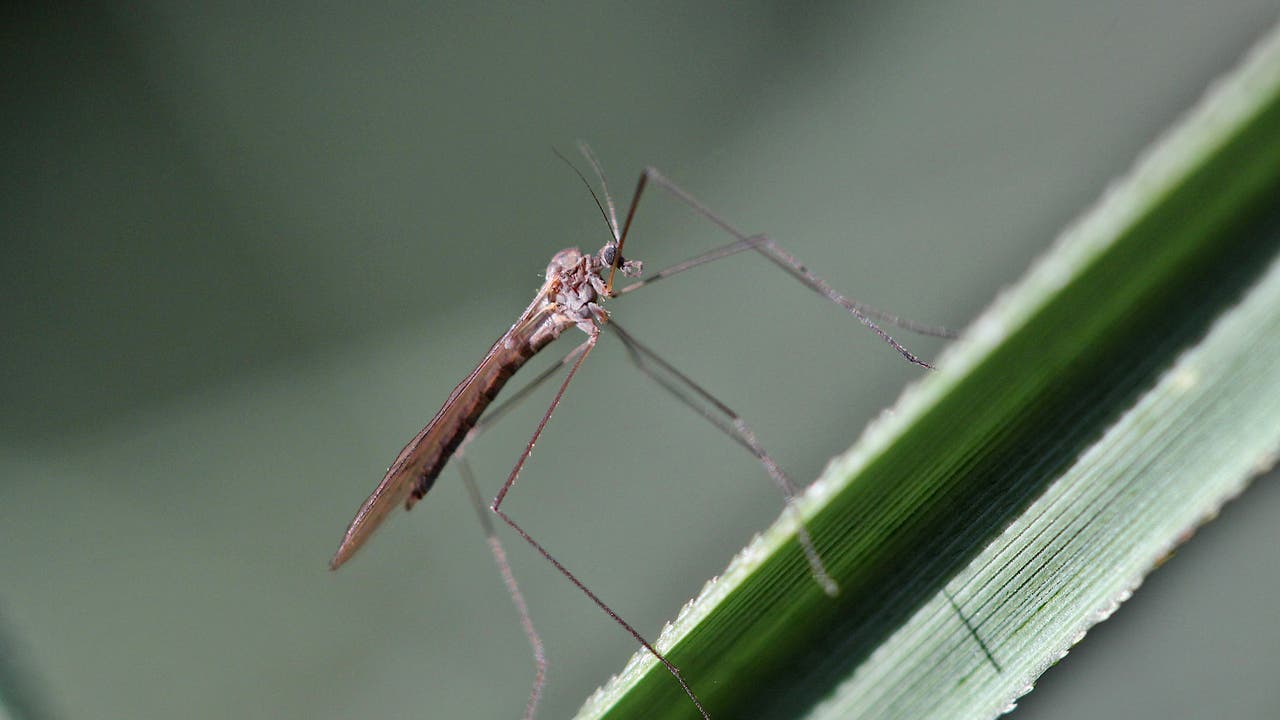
(576, 286)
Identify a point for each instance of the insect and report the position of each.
(572, 296)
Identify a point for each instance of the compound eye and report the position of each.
(608, 254)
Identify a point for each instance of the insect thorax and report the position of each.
(576, 285)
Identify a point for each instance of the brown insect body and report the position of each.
(567, 298)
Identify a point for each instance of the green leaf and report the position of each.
(1084, 425)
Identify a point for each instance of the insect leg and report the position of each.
(513, 589)
(868, 316)
(491, 537)
(684, 389)
(496, 507)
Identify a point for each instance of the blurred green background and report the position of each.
(248, 250)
